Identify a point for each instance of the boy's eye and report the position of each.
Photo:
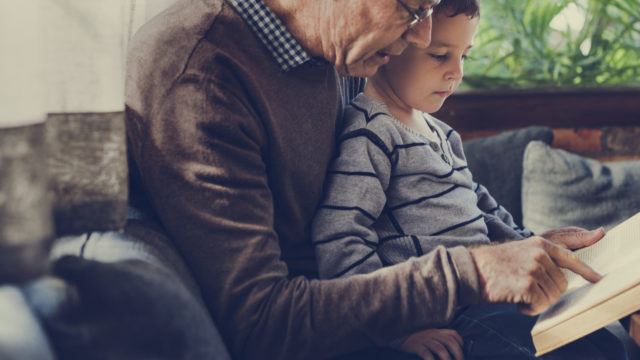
(441, 58)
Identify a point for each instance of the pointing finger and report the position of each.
(568, 260)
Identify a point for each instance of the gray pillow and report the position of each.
(496, 163)
(564, 189)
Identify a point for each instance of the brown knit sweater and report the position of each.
(232, 153)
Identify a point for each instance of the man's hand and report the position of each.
(527, 272)
(431, 344)
(574, 238)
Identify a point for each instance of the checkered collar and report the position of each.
(274, 35)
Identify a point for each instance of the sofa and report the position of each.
(113, 287)
(81, 277)
(546, 187)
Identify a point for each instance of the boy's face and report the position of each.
(424, 78)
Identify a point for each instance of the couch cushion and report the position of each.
(496, 163)
(123, 295)
(66, 176)
(21, 334)
(87, 166)
(26, 223)
(564, 189)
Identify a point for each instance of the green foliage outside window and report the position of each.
(556, 43)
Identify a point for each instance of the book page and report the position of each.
(589, 295)
(619, 246)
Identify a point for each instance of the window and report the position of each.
(556, 43)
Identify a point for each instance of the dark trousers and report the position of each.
(501, 332)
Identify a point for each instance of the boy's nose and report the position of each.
(456, 72)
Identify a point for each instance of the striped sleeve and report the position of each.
(342, 230)
(498, 219)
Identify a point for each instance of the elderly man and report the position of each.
(233, 108)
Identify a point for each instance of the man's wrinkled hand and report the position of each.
(574, 238)
(431, 344)
(527, 272)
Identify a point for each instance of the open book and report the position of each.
(587, 307)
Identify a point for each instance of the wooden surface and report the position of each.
(598, 123)
(557, 108)
(604, 144)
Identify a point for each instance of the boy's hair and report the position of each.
(452, 8)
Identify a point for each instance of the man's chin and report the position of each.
(358, 70)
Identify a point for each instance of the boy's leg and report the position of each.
(500, 331)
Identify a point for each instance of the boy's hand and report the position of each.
(431, 344)
(574, 238)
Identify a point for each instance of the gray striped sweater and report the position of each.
(392, 194)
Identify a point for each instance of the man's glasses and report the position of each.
(420, 13)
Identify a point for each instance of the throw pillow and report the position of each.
(564, 189)
(496, 163)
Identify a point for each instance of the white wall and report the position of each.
(71, 50)
(153, 7)
(22, 90)
(85, 54)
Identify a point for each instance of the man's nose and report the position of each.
(419, 35)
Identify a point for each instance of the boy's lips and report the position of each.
(443, 93)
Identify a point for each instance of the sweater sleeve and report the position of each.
(354, 198)
(499, 221)
(201, 162)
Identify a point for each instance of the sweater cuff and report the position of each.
(468, 281)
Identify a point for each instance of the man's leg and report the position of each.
(501, 332)
(379, 354)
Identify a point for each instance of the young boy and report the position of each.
(400, 185)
